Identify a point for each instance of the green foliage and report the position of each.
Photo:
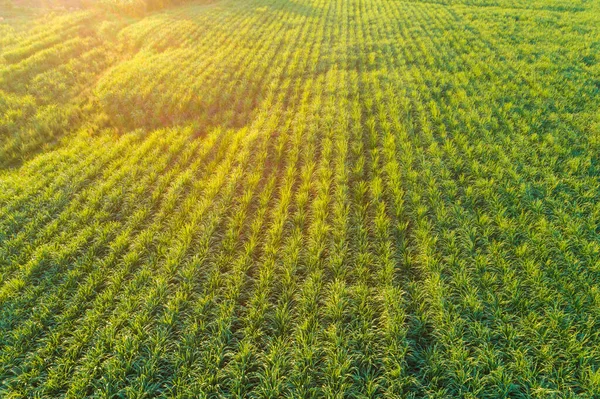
(308, 199)
(139, 8)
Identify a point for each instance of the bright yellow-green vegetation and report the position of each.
(301, 198)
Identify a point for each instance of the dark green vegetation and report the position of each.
(302, 198)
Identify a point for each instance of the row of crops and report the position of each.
(309, 198)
